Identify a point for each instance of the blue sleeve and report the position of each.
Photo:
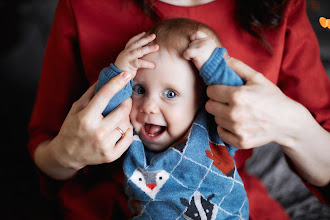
(105, 76)
(216, 71)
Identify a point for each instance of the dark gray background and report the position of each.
(25, 26)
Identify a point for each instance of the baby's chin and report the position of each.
(157, 147)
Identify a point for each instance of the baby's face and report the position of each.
(165, 100)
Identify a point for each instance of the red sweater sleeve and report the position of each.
(61, 83)
(303, 77)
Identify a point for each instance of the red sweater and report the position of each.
(88, 35)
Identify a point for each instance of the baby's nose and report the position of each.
(149, 106)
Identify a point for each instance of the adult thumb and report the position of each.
(241, 69)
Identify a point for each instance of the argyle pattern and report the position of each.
(183, 172)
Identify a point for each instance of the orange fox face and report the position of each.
(221, 159)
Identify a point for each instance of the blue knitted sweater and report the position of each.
(194, 179)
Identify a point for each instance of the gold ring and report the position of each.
(121, 132)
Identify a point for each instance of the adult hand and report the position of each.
(258, 113)
(254, 114)
(86, 137)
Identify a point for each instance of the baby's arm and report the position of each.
(127, 61)
(216, 71)
(209, 60)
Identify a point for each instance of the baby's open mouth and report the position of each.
(154, 130)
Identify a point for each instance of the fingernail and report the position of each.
(126, 75)
(153, 35)
(226, 56)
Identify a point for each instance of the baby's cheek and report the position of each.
(180, 123)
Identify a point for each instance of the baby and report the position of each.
(177, 167)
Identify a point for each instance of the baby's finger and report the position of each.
(198, 35)
(141, 51)
(143, 64)
(134, 39)
(190, 53)
(142, 42)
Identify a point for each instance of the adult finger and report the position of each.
(218, 109)
(243, 70)
(241, 141)
(101, 99)
(226, 124)
(227, 137)
(123, 144)
(119, 115)
(84, 99)
(221, 93)
(117, 133)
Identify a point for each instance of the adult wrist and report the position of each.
(307, 146)
(51, 162)
(61, 159)
(293, 132)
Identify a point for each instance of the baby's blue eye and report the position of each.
(170, 94)
(139, 89)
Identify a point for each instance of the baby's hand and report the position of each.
(200, 49)
(129, 59)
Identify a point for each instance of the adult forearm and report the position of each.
(48, 163)
(308, 146)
